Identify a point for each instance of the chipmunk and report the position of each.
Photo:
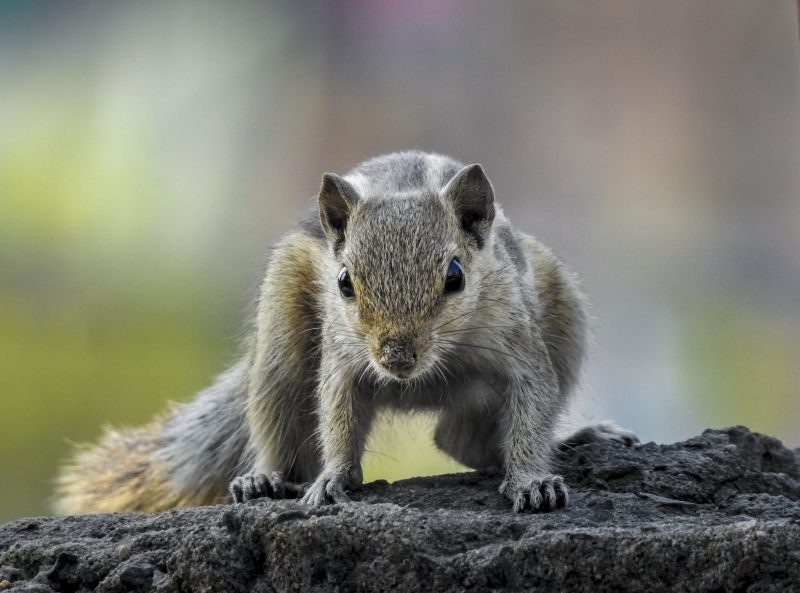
(407, 288)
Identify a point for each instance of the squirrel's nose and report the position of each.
(398, 355)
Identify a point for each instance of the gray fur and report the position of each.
(206, 440)
(403, 172)
(506, 240)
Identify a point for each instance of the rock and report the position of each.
(718, 512)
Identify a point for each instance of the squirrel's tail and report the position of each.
(121, 473)
(185, 458)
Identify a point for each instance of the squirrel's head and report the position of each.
(408, 267)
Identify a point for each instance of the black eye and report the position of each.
(455, 277)
(346, 285)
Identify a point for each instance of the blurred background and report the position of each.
(151, 152)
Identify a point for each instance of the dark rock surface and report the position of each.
(719, 512)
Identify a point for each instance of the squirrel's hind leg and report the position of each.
(597, 433)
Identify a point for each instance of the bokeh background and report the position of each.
(151, 152)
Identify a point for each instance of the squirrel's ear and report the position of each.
(472, 198)
(337, 198)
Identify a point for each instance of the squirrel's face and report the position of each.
(404, 267)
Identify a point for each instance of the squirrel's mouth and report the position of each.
(398, 371)
(402, 376)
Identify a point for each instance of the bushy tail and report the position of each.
(185, 458)
(121, 473)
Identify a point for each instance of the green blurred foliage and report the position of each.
(66, 181)
(741, 366)
(67, 371)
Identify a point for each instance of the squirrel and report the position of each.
(405, 288)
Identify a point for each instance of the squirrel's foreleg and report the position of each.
(281, 402)
(532, 406)
(345, 420)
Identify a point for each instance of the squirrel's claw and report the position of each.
(325, 490)
(539, 494)
(251, 486)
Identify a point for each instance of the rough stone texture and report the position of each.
(719, 512)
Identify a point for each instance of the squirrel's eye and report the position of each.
(346, 285)
(455, 277)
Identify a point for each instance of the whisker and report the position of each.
(457, 317)
(482, 347)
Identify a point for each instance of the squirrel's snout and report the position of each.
(398, 355)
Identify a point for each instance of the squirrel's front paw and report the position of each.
(326, 489)
(538, 494)
(252, 486)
